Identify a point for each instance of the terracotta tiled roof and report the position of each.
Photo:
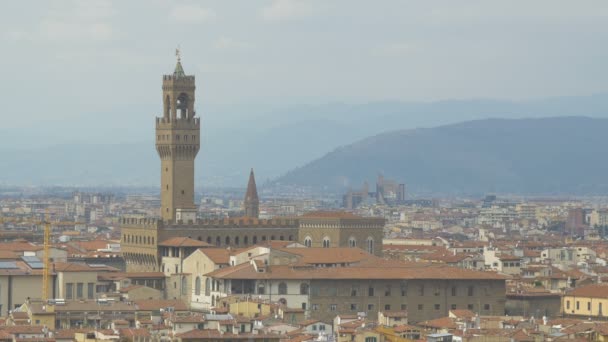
(189, 319)
(404, 328)
(216, 334)
(446, 257)
(593, 291)
(329, 255)
(508, 257)
(157, 304)
(217, 255)
(413, 271)
(130, 332)
(23, 329)
(461, 313)
(6, 254)
(130, 275)
(74, 267)
(129, 288)
(440, 323)
(183, 242)
(308, 322)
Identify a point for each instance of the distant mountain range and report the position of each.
(116, 147)
(564, 155)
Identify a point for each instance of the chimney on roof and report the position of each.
(252, 202)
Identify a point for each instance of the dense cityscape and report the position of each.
(375, 266)
(484, 229)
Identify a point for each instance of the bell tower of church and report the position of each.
(177, 143)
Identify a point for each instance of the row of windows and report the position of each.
(403, 291)
(371, 291)
(372, 307)
(69, 291)
(578, 306)
(218, 240)
(237, 241)
(142, 240)
(177, 137)
(352, 242)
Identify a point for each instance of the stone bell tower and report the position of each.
(177, 143)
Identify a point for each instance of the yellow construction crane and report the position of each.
(46, 247)
(47, 258)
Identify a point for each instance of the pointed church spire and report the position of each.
(252, 202)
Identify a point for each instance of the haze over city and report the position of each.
(266, 67)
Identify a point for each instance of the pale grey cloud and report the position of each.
(287, 9)
(69, 21)
(192, 13)
(394, 49)
(227, 43)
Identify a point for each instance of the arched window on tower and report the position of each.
(255, 239)
(182, 106)
(218, 241)
(207, 286)
(370, 245)
(236, 241)
(227, 240)
(245, 240)
(209, 239)
(303, 289)
(352, 242)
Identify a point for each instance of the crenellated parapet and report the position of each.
(236, 223)
(179, 123)
(142, 223)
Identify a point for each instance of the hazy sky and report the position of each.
(62, 59)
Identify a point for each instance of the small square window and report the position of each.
(353, 307)
(333, 307)
(420, 306)
(437, 306)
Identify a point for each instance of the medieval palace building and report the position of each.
(177, 144)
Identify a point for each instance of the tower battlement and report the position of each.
(178, 79)
(179, 123)
(235, 223)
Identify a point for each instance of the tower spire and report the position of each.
(179, 70)
(252, 202)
